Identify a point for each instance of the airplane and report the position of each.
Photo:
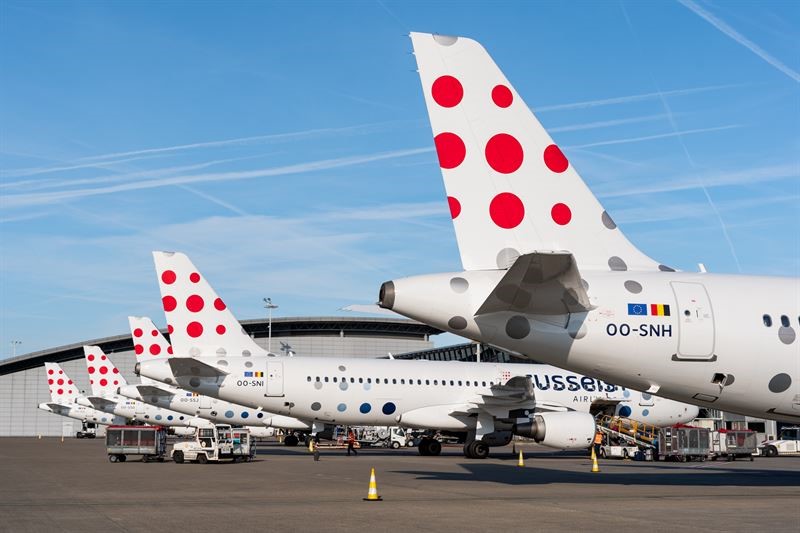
(149, 342)
(63, 396)
(105, 378)
(489, 402)
(547, 273)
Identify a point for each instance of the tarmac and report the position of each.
(47, 485)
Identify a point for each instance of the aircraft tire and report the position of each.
(434, 447)
(291, 440)
(423, 447)
(480, 450)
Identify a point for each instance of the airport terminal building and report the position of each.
(23, 385)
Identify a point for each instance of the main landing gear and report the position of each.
(476, 449)
(428, 446)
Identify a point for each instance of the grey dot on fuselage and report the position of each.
(780, 383)
(317, 385)
(633, 287)
(617, 264)
(221, 352)
(459, 285)
(222, 362)
(608, 221)
(518, 327)
(665, 268)
(457, 322)
(246, 353)
(506, 257)
(316, 406)
(343, 384)
(194, 382)
(248, 364)
(445, 40)
(786, 335)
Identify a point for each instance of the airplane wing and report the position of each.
(100, 403)
(187, 367)
(539, 283)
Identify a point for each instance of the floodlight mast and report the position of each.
(269, 306)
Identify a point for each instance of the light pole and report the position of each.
(14, 345)
(270, 306)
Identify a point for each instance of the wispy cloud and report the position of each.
(660, 212)
(20, 200)
(741, 39)
(607, 123)
(653, 137)
(632, 98)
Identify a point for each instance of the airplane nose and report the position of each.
(386, 295)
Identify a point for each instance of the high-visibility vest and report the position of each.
(598, 438)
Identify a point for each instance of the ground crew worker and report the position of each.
(313, 447)
(351, 443)
(598, 440)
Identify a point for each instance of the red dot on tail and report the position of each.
(91, 370)
(50, 381)
(450, 149)
(447, 91)
(137, 332)
(219, 305)
(138, 349)
(170, 329)
(103, 370)
(69, 382)
(90, 357)
(501, 96)
(194, 329)
(194, 277)
(155, 349)
(194, 303)
(561, 214)
(507, 210)
(154, 333)
(220, 329)
(50, 371)
(504, 153)
(103, 382)
(61, 391)
(455, 206)
(170, 303)
(103, 357)
(169, 350)
(116, 382)
(168, 277)
(115, 370)
(60, 382)
(554, 159)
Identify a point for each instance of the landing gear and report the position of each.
(476, 449)
(291, 440)
(428, 446)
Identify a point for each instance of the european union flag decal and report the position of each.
(248, 374)
(637, 309)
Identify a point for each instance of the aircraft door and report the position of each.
(695, 321)
(205, 404)
(274, 378)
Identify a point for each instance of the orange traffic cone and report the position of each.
(521, 461)
(595, 466)
(372, 495)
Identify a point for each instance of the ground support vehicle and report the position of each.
(384, 436)
(148, 441)
(733, 444)
(214, 444)
(626, 438)
(787, 443)
(684, 443)
(88, 431)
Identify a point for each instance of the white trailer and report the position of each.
(787, 443)
(214, 444)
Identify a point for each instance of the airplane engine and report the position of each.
(566, 431)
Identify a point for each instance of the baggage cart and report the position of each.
(148, 441)
(733, 443)
(684, 443)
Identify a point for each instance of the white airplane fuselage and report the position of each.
(81, 413)
(419, 394)
(144, 413)
(713, 349)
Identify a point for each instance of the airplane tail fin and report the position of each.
(200, 323)
(62, 389)
(104, 377)
(147, 339)
(511, 190)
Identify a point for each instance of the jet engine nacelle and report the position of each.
(566, 431)
(435, 417)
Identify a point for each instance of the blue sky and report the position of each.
(285, 146)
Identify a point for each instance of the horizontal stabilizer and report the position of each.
(189, 367)
(59, 409)
(539, 283)
(517, 390)
(100, 403)
(150, 390)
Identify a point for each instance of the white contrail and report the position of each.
(652, 137)
(631, 98)
(607, 123)
(19, 200)
(739, 38)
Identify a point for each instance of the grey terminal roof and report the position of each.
(259, 328)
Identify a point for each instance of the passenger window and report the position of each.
(419, 382)
(352, 380)
(767, 320)
(326, 379)
(484, 383)
(394, 381)
(335, 380)
(451, 383)
(369, 380)
(427, 382)
(385, 381)
(785, 321)
(308, 379)
(402, 381)
(361, 380)
(435, 381)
